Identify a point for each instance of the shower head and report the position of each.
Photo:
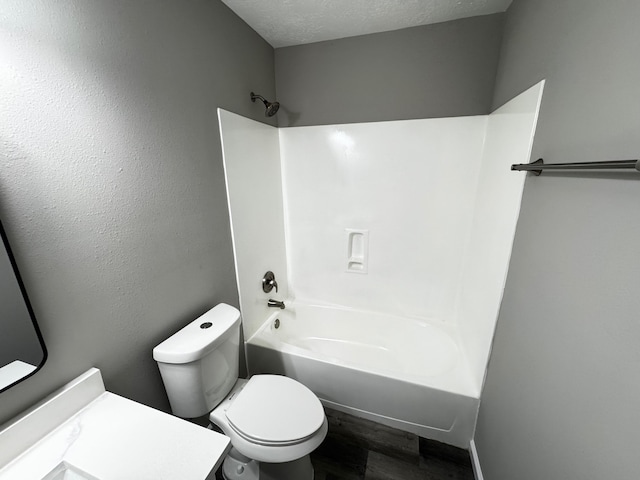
(271, 108)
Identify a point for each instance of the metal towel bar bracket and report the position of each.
(538, 166)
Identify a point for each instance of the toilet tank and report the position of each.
(199, 363)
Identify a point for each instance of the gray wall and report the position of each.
(442, 70)
(111, 180)
(563, 386)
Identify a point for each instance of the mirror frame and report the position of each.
(32, 315)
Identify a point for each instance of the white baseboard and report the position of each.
(475, 461)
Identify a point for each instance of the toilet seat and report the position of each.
(275, 410)
(270, 398)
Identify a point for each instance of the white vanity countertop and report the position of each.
(110, 438)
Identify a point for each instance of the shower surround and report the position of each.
(390, 242)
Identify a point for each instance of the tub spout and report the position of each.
(275, 303)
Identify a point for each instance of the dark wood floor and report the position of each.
(357, 449)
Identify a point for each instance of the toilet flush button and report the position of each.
(206, 325)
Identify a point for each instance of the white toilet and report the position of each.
(274, 422)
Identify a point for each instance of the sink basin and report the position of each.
(64, 471)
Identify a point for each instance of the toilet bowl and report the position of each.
(273, 422)
(273, 419)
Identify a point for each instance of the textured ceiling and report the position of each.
(293, 22)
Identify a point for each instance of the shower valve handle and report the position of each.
(269, 282)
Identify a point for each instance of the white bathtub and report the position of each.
(406, 373)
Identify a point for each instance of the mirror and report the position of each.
(22, 350)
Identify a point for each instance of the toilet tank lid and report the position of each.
(199, 337)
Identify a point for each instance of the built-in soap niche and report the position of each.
(357, 250)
